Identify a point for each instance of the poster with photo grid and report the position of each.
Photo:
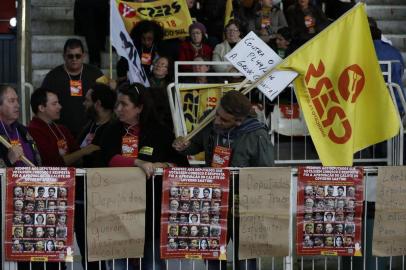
(329, 211)
(194, 213)
(40, 214)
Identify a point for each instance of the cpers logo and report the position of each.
(126, 11)
(152, 12)
(351, 83)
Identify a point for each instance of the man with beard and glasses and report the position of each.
(234, 139)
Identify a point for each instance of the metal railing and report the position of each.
(366, 262)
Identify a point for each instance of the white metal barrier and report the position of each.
(292, 149)
(367, 262)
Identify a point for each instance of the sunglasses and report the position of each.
(74, 56)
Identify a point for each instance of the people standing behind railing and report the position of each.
(234, 139)
(99, 105)
(138, 139)
(232, 33)
(194, 46)
(14, 132)
(71, 81)
(305, 20)
(147, 37)
(22, 144)
(56, 144)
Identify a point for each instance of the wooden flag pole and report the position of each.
(23, 158)
(210, 116)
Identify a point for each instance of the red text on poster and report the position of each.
(194, 213)
(329, 211)
(39, 214)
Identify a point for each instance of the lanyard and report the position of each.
(59, 131)
(5, 131)
(70, 78)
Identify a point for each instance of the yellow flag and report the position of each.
(341, 90)
(196, 101)
(173, 16)
(229, 12)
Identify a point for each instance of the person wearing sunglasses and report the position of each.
(71, 81)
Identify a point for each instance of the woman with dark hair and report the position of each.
(162, 72)
(139, 139)
(305, 20)
(147, 37)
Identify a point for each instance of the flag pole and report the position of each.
(211, 115)
(22, 158)
(110, 49)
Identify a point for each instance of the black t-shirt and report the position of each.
(73, 112)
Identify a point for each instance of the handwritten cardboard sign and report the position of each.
(253, 58)
(389, 238)
(115, 213)
(264, 212)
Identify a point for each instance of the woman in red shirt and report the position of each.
(195, 46)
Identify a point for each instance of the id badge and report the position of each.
(221, 157)
(265, 22)
(146, 59)
(88, 140)
(15, 143)
(76, 89)
(129, 146)
(309, 21)
(62, 147)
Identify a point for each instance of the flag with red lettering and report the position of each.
(341, 90)
(122, 42)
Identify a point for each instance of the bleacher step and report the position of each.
(380, 12)
(52, 13)
(52, 3)
(385, 2)
(392, 27)
(41, 43)
(52, 28)
(398, 41)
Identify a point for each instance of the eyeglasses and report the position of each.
(232, 31)
(74, 56)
